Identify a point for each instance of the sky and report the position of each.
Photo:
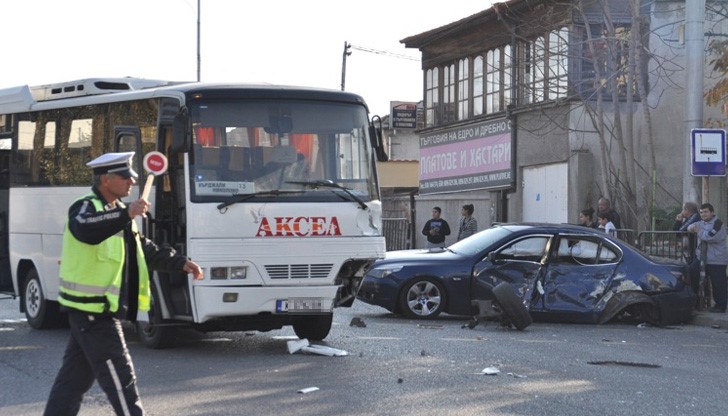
(291, 42)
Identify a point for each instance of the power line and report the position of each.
(385, 53)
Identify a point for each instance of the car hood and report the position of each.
(418, 256)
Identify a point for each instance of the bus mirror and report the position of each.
(279, 124)
(179, 133)
(375, 135)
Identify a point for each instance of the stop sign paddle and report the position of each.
(155, 163)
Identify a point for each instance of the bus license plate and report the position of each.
(294, 305)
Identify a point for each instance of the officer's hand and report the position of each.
(192, 267)
(138, 207)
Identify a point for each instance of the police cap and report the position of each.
(116, 163)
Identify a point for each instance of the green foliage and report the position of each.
(664, 218)
(718, 94)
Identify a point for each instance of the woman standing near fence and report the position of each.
(468, 223)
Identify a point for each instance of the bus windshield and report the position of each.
(280, 149)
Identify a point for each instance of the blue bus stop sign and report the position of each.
(708, 152)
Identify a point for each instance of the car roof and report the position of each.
(549, 227)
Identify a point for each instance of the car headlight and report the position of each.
(382, 272)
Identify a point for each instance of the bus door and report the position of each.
(6, 278)
(170, 290)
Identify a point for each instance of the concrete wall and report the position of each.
(451, 204)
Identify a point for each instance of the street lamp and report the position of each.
(347, 52)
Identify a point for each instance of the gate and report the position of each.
(397, 233)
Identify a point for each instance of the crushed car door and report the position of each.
(576, 277)
(519, 263)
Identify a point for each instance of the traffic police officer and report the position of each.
(104, 279)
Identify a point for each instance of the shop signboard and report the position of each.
(475, 156)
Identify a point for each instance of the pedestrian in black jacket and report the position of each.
(436, 229)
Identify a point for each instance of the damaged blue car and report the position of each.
(520, 272)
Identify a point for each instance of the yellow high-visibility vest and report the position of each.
(91, 274)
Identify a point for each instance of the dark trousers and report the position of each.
(719, 282)
(96, 351)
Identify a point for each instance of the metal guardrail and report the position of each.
(397, 233)
(678, 245)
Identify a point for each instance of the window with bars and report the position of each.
(544, 71)
(494, 83)
(449, 109)
(432, 102)
(606, 68)
(463, 89)
(478, 86)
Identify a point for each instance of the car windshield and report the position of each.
(482, 240)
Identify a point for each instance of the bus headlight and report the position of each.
(224, 273)
(238, 272)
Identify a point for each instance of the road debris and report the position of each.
(423, 326)
(514, 375)
(357, 322)
(308, 390)
(303, 345)
(490, 371)
(624, 363)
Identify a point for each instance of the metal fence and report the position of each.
(397, 233)
(678, 245)
(625, 234)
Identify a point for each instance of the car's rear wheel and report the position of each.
(422, 298)
(512, 306)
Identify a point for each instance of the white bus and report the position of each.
(272, 190)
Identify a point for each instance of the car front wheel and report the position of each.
(422, 298)
(511, 306)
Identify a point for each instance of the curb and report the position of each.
(709, 319)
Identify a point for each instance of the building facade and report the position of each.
(536, 109)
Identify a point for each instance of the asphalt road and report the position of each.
(397, 366)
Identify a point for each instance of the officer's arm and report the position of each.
(92, 227)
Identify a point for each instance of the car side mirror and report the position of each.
(492, 257)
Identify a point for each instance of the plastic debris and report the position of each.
(429, 326)
(490, 371)
(296, 345)
(308, 390)
(324, 350)
(514, 375)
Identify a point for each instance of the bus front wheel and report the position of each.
(154, 334)
(39, 311)
(313, 328)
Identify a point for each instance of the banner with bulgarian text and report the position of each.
(476, 156)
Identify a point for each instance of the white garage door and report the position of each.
(545, 193)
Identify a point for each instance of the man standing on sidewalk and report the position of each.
(436, 229)
(713, 252)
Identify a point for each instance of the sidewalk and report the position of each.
(709, 319)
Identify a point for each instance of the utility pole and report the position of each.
(347, 52)
(198, 41)
(695, 72)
